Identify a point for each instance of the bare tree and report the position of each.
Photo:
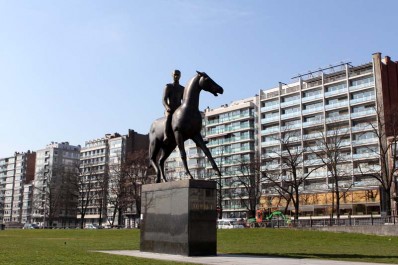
(87, 183)
(69, 193)
(137, 173)
(118, 185)
(248, 184)
(101, 193)
(125, 181)
(55, 195)
(333, 152)
(386, 132)
(290, 177)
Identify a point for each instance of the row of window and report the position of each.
(329, 90)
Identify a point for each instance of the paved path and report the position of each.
(225, 259)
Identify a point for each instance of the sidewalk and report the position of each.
(225, 259)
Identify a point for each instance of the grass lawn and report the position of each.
(309, 244)
(74, 246)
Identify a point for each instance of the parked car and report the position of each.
(30, 226)
(91, 226)
(228, 224)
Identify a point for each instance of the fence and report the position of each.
(368, 220)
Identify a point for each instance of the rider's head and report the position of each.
(176, 75)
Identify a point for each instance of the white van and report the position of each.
(228, 224)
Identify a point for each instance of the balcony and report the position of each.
(268, 108)
(270, 119)
(270, 167)
(230, 119)
(270, 130)
(270, 155)
(361, 86)
(230, 129)
(314, 148)
(290, 115)
(336, 105)
(291, 139)
(317, 175)
(212, 122)
(270, 143)
(311, 98)
(96, 155)
(344, 143)
(336, 92)
(311, 162)
(311, 136)
(367, 183)
(313, 122)
(294, 152)
(363, 128)
(362, 99)
(341, 117)
(312, 110)
(363, 113)
(290, 127)
(367, 169)
(290, 103)
(242, 149)
(365, 156)
(365, 141)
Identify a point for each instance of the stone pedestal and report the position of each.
(179, 218)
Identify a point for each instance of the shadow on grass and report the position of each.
(358, 257)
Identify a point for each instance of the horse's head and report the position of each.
(207, 84)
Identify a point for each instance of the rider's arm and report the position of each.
(166, 98)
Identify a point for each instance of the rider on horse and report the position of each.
(172, 98)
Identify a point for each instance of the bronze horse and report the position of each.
(186, 124)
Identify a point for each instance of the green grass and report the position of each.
(31, 247)
(310, 244)
(75, 246)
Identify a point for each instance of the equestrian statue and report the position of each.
(186, 123)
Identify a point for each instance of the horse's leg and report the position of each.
(181, 147)
(165, 154)
(198, 139)
(154, 148)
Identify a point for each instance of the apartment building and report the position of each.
(100, 164)
(54, 186)
(338, 103)
(93, 187)
(16, 172)
(231, 134)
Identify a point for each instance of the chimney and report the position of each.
(386, 60)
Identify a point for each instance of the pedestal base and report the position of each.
(179, 218)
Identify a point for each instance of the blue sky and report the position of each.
(76, 70)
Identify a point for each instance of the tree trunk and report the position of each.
(337, 204)
(385, 201)
(296, 203)
(82, 221)
(119, 218)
